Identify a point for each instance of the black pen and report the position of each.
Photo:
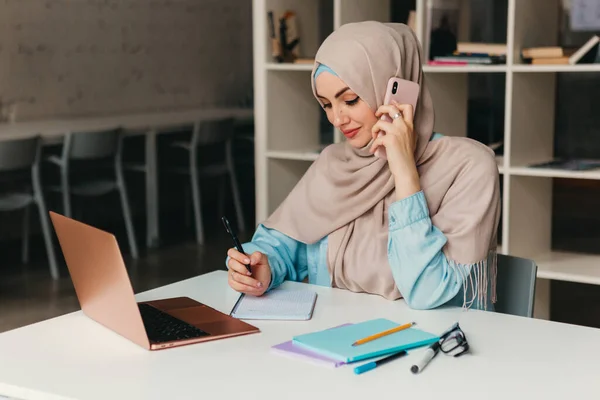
(236, 242)
(431, 352)
(427, 356)
(374, 364)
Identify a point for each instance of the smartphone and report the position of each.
(403, 92)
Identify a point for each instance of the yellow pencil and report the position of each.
(384, 333)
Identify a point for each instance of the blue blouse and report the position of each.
(422, 273)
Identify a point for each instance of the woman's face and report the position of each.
(345, 110)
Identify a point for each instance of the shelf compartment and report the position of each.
(348, 11)
(283, 175)
(296, 121)
(529, 206)
(469, 105)
(532, 123)
(314, 19)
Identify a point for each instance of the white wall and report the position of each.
(94, 57)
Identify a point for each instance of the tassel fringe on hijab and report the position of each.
(346, 192)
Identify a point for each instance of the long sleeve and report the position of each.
(415, 252)
(287, 257)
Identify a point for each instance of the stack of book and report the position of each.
(474, 54)
(588, 53)
(335, 347)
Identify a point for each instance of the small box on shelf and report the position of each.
(296, 29)
(283, 34)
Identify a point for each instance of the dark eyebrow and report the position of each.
(341, 92)
(338, 94)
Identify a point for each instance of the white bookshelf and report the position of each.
(288, 122)
(465, 69)
(288, 67)
(556, 68)
(300, 155)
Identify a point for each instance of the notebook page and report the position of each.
(277, 304)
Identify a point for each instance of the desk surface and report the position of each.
(74, 357)
(141, 122)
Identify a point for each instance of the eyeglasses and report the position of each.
(454, 342)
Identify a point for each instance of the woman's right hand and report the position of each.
(241, 280)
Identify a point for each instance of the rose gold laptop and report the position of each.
(105, 294)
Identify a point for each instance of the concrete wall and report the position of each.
(95, 57)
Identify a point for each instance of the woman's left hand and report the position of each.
(399, 140)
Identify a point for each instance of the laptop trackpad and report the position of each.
(201, 316)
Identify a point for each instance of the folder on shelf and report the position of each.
(569, 164)
(336, 343)
(588, 53)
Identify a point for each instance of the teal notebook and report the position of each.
(336, 343)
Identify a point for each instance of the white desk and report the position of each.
(150, 124)
(512, 357)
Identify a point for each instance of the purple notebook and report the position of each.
(289, 349)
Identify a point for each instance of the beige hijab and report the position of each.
(346, 192)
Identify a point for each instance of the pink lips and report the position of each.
(351, 133)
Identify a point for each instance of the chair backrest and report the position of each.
(210, 132)
(19, 153)
(92, 145)
(515, 287)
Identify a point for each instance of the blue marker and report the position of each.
(374, 364)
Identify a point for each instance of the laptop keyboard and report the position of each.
(162, 327)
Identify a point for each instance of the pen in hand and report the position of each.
(236, 242)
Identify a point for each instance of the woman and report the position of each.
(417, 221)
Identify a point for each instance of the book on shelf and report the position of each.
(492, 49)
(545, 52)
(472, 54)
(468, 59)
(550, 60)
(304, 61)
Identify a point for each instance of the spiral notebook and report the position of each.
(277, 304)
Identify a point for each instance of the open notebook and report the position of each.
(278, 304)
